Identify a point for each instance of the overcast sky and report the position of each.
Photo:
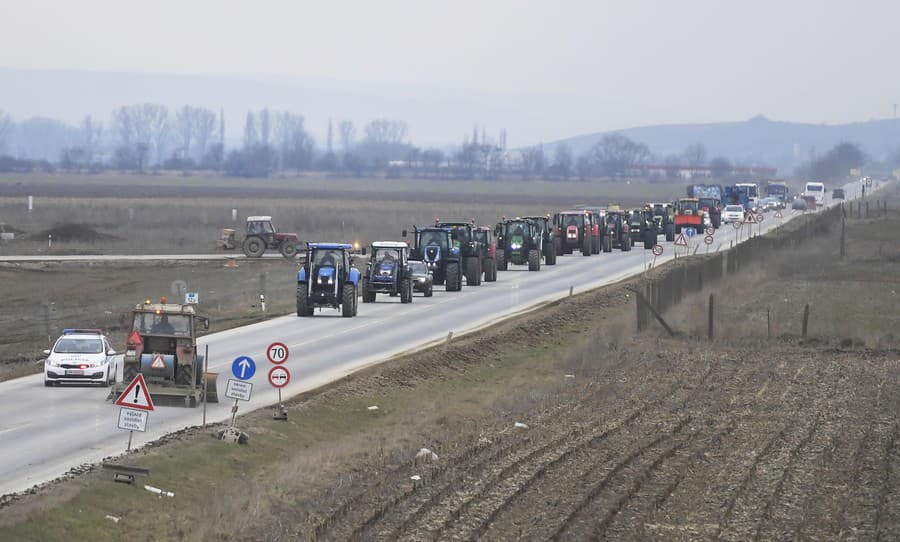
(640, 62)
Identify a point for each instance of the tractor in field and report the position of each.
(520, 242)
(470, 250)
(688, 214)
(260, 236)
(551, 242)
(435, 246)
(642, 227)
(162, 346)
(388, 272)
(576, 230)
(484, 235)
(328, 279)
(616, 231)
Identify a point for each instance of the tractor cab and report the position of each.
(388, 272)
(435, 246)
(327, 279)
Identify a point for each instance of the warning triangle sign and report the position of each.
(778, 214)
(158, 362)
(136, 395)
(751, 218)
(681, 240)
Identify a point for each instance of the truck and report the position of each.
(778, 189)
(162, 346)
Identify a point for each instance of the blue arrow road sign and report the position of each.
(690, 232)
(243, 368)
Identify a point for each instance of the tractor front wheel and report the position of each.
(670, 232)
(288, 249)
(348, 300)
(626, 244)
(473, 271)
(490, 271)
(253, 247)
(534, 260)
(501, 260)
(586, 245)
(430, 291)
(303, 308)
(607, 243)
(367, 296)
(649, 239)
(454, 279)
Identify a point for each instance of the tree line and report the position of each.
(150, 137)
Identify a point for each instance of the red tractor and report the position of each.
(577, 230)
(689, 214)
(261, 235)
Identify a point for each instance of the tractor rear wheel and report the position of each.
(557, 246)
(405, 291)
(348, 300)
(303, 308)
(473, 271)
(501, 260)
(367, 296)
(253, 247)
(288, 249)
(454, 279)
(490, 270)
(534, 260)
(430, 291)
(595, 249)
(586, 245)
(649, 239)
(626, 244)
(551, 255)
(607, 243)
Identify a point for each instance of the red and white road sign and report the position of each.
(279, 376)
(708, 239)
(136, 395)
(681, 240)
(158, 362)
(710, 231)
(657, 250)
(277, 353)
(751, 218)
(778, 214)
(760, 217)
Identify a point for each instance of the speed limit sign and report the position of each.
(657, 250)
(277, 353)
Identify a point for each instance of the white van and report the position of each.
(816, 190)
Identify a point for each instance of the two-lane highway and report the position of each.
(46, 431)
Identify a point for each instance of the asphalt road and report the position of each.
(46, 431)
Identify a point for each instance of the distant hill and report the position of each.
(757, 141)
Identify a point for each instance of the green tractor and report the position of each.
(470, 250)
(551, 243)
(519, 242)
(642, 227)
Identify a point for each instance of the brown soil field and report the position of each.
(564, 424)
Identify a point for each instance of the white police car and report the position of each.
(80, 356)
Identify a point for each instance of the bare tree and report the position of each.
(265, 127)
(695, 155)
(250, 136)
(145, 124)
(184, 127)
(386, 131)
(91, 136)
(347, 133)
(295, 145)
(562, 161)
(204, 128)
(6, 126)
(614, 154)
(532, 160)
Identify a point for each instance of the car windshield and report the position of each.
(80, 345)
(433, 237)
(149, 323)
(734, 208)
(418, 268)
(814, 188)
(327, 258)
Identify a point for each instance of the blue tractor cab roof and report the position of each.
(330, 246)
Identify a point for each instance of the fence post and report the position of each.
(842, 237)
(711, 319)
(805, 319)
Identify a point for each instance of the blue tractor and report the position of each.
(388, 272)
(327, 279)
(441, 253)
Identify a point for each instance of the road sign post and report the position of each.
(279, 377)
(136, 407)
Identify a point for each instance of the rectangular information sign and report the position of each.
(133, 420)
(238, 389)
